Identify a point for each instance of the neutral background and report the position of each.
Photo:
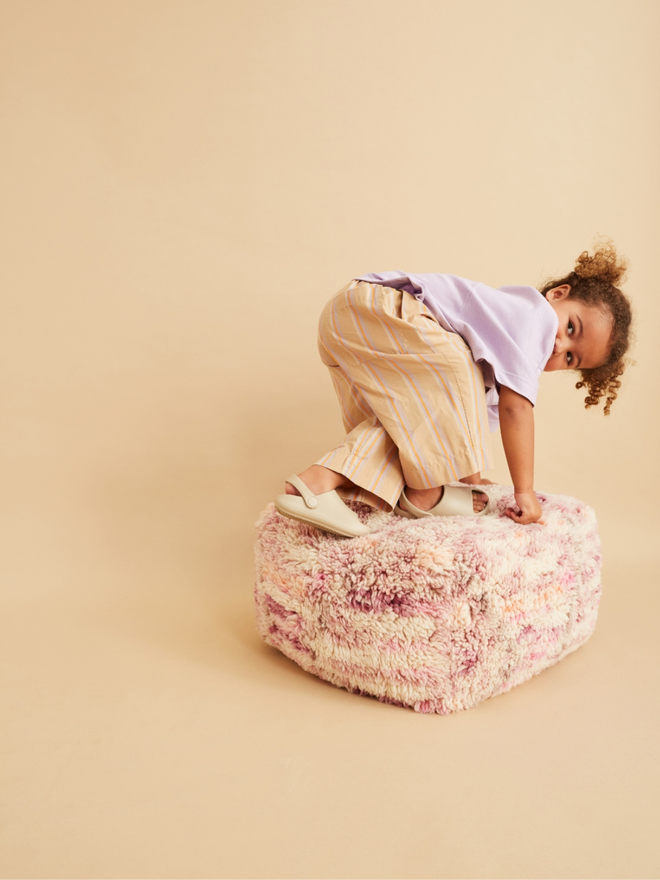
(185, 183)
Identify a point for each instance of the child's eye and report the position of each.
(569, 358)
(571, 328)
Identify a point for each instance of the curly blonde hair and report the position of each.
(594, 281)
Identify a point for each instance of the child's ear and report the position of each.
(559, 293)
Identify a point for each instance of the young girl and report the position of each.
(422, 364)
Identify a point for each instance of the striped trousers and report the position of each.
(412, 398)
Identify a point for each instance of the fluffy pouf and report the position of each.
(438, 613)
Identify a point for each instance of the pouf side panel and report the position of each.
(575, 579)
(402, 657)
(283, 573)
(304, 612)
(490, 655)
(381, 615)
(399, 668)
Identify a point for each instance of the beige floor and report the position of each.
(184, 184)
(152, 734)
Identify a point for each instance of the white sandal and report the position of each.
(455, 501)
(325, 511)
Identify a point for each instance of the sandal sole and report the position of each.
(401, 511)
(315, 525)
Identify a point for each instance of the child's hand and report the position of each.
(530, 509)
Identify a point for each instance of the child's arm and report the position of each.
(517, 426)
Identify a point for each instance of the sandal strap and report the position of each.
(455, 501)
(308, 497)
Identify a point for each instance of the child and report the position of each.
(421, 364)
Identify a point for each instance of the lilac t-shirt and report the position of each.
(510, 330)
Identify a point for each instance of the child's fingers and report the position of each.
(522, 518)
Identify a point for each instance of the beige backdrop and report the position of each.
(185, 183)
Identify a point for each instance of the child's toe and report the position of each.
(479, 501)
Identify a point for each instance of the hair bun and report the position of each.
(605, 264)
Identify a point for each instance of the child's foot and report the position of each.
(310, 499)
(318, 480)
(425, 499)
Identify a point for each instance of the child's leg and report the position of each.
(369, 459)
(368, 456)
(388, 355)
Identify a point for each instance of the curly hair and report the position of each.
(593, 281)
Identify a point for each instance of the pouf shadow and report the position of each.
(436, 614)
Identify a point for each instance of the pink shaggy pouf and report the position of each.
(437, 614)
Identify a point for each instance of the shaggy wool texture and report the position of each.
(436, 614)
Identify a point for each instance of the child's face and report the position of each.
(583, 334)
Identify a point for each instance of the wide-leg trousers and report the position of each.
(412, 397)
